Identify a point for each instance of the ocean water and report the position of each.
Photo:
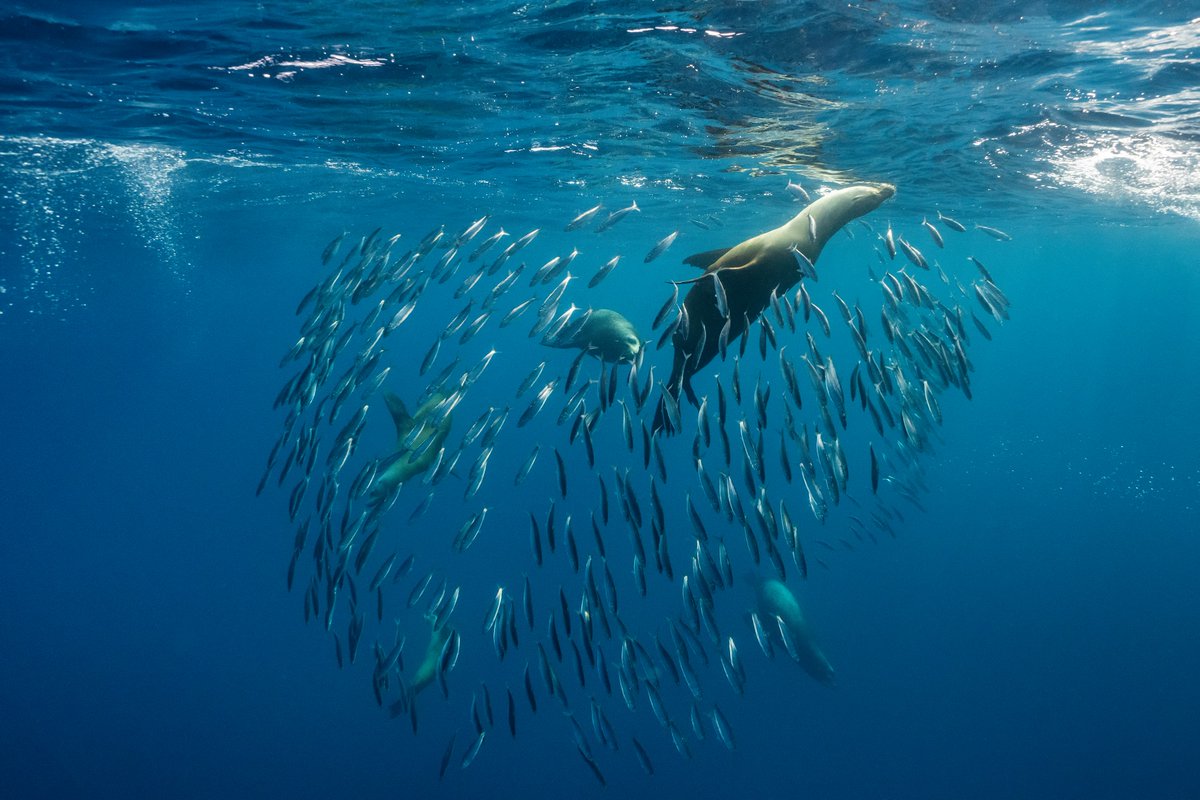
(1013, 613)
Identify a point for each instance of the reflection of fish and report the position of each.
(776, 602)
(418, 437)
(751, 272)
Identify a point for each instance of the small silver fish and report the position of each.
(531, 379)
(602, 273)
(537, 403)
(719, 294)
(544, 270)
(798, 190)
(982, 269)
(821, 318)
(431, 356)
(661, 247)
(516, 312)
(933, 232)
(401, 315)
(914, 255)
(666, 308)
(616, 217)
(951, 223)
(524, 240)
(487, 243)
(330, 249)
(471, 231)
(995, 233)
(478, 473)
(584, 218)
(473, 750)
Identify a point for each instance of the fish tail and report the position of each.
(661, 423)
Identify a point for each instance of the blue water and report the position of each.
(170, 176)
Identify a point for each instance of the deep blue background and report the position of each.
(1033, 634)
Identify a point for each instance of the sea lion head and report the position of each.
(607, 335)
(624, 345)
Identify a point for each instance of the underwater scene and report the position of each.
(710, 400)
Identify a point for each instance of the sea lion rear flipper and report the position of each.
(689, 391)
(690, 280)
(400, 415)
(706, 259)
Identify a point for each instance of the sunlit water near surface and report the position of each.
(169, 179)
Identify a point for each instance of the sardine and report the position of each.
(583, 218)
(799, 191)
(473, 750)
(671, 302)
(933, 232)
(616, 217)
(527, 466)
(995, 233)
(661, 247)
(602, 273)
(487, 243)
(913, 254)
(950, 223)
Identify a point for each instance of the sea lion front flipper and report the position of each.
(706, 259)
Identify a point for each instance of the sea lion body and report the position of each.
(414, 450)
(775, 600)
(751, 272)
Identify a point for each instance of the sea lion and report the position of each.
(749, 273)
(427, 670)
(779, 609)
(414, 450)
(606, 335)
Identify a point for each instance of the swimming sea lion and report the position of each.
(778, 607)
(427, 670)
(606, 335)
(749, 273)
(414, 450)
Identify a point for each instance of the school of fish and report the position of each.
(753, 479)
